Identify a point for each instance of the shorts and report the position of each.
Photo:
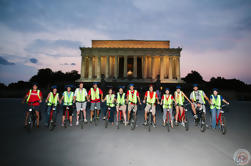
(35, 108)
(203, 107)
(132, 107)
(93, 106)
(78, 105)
(70, 110)
(153, 110)
(122, 107)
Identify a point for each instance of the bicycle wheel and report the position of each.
(106, 119)
(95, 118)
(202, 123)
(223, 125)
(149, 121)
(186, 123)
(133, 122)
(51, 126)
(29, 122)
(81, 119)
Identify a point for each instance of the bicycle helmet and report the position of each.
(178, 87)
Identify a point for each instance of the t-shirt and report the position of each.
(96, 100)
(80, 91)
(215, 97)
(137, 94)
(34, 97)
(197, 96)
(167, 97)
(151, 94)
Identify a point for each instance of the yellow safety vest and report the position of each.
(68, 100)
(80, 96)
(109, 100)
(168, 103)
(28, 98)
(94, 94)
(149, 99)
(215, 103)
(121, 100)
(201, 94)
(181, 98)
(134, 98)
(52, 99)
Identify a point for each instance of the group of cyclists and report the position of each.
(124, 102)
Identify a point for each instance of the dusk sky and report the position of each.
(215, 34)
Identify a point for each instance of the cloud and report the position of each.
(33, 60)
(3, 61)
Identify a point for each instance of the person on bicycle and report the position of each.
(198, 99)
(94, 95)
(121, 104)
(110, 103)
(52, 100)
(167, 102)
(80, 98)
(33, 95)
(180, 99)
(67, 99)
(150, 100)
(132, 96)
(215, 107)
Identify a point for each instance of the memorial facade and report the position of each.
(130, 60)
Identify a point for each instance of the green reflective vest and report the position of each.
(132, 98)
(110, 100)
(215, 103)
(53, 100)
(167, 103)
(80, 96)
(28, 98)
(121, 100)
(68, 100)
(94, 94)
(149, 99)
(201, 94)
(179, 97)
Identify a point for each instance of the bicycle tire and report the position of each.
(223, 125)
(186, 123)
(106, 119)
(149, 121)
(203, 123)
(81, 120)
(95, 118)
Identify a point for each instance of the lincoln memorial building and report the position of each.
(130, 60)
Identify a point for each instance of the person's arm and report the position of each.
(187, 98)
(41, 97)
(101, 93)
(25, 97)
(138, 97)
(205, 96)
(225, 101)
(103, 100)
(47, 97)
(58, 98)
(144, 101)
(61, 99)
(74, 96)
(192, 97)
(157, 98)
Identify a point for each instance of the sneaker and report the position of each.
(85, 120)
(91, 120)
(70, 124)
(37, 126)
(145, 123)
(195, 116)
(77, 123)
(104, 118)
(62, 125)
(183, 124)
(176, 123)
(97, 117)
(154, 125)
(164, 124)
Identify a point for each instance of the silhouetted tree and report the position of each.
(194, 77)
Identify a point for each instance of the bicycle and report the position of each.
(67, 118)
(149, 117)
(119, 113)
(31, 119)
(184, 117)
(81, 114)
(107, 116)
(51, 118)
(221, 118)
(201, 119)
(133, 119)
(168, 117)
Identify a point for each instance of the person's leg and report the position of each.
(171, 116)
(112, 114)
(64, 114)
(193, 108)
(98, 109)
(70, 114)
(92, 110)
(177, 114)
(48, 111)
(153, 113)
(129, 111)
(37, 117)
(124, 112)
(218, 118)
(213, 117)
(147, 108)
(181, 114)
(117, 111)
(84, 110)
(164, 116)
